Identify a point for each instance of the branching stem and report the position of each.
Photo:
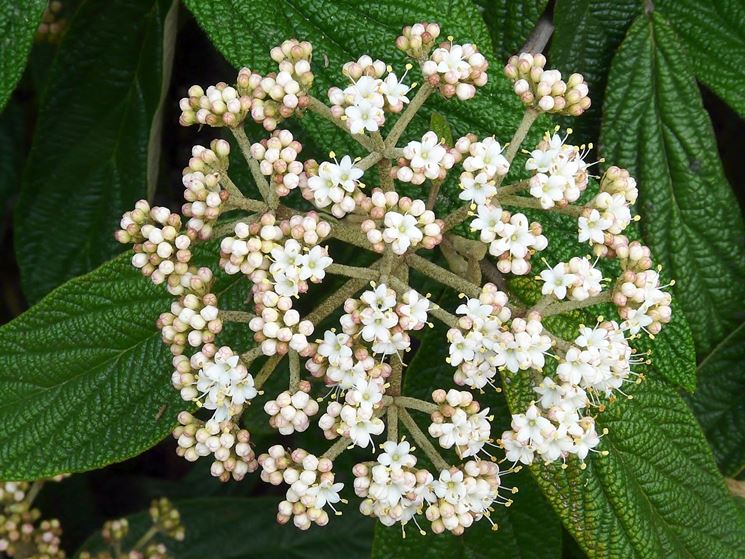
(421, 439)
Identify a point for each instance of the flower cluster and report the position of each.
(311, 485)
(456, 70)
(556, 426)
(511, 237)
(560, 172)
(290, 411)
(575, 280)
(225, 441)
(193, 319)
(460, 422)
(162, 250)
(363, 103)
(22, 532)
(428, 159)
(406, 223)
(204, 195)
(268, 99)
(53, 23)
(544, 89)
(472, 344)
(216, 379)
(334, 184)
(358, 367)
(277, 157)
(395, 491)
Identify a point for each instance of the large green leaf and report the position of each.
(246, 528)
(84, 376)
(656, 126)
(510, 23)
(245, 30)
(18, 22)
(657, 493)
(714, 36)
(91, 156)
(586, 36)
(11, 138)
(719, 401)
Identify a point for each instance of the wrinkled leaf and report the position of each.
(84, 375)
(19, 20)
(90, 159)
(713, 33)
(246, 528)
(510, 23)
(719, 401)
(586, 36)
(656, 127)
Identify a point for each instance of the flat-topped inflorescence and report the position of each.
(346, 376)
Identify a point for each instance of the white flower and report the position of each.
(401, 231)
(396, 455)
(364, 116)
(515, 450)
(557, 279)
(531, 426)
(450, 486)
(486, 156)
(361, 425)
(477, 189)
(592, 228)
(325, 492)
(313, 264)
(426, 155)
(394, 90)
(488, 218)
(451, 60)
(335, 347)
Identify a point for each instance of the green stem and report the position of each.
(337, 448)
(529, 118)
(267, 192)
(245, 204)
(421, 439)
(227, 183)
(513, 188)
(145, 539)
(416, 404)
(567, 306)
(416, 103)
(294, 370)
(353, 272)
(251, 355)
(392, 423)
(33, 492)
(396, 378)
(336, 300)
(322, 110)
(235, 316)
(386, 180)
(267, 370)
(443, 276)
(352, 236)
(535, 204)
(433, 192)
(369, 160)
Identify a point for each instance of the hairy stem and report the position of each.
(456, 217)
(33, 492)
(353, 236)
(337, 448)
(267, 192)
(369, 160)
(322, 110)
(535, 203)
(513, 188)
(235, 316)
(416, 404)
(353, 272)
(145, 539)
(433, 192)
(443, 276)
(245, 204)
(386, 180)
(416, 103)
(227, 183)
(391, 418)
(421, 439)
(294, 370)
(522, 130)
(396, 378)
(251, 355)
(336, 300)
(267, 370)
(566, 306)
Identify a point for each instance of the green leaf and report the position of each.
(11, 138)
(713, 33)
(91, 157)
(528, 529)
(719, 401)
(586, 36)
(245, 30)
(440, 126)
(656, 494)
(18, 22)
(510, 23)
(656, 126)
(243, 528)
(84, 375)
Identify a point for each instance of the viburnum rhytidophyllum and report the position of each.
(359, 363)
